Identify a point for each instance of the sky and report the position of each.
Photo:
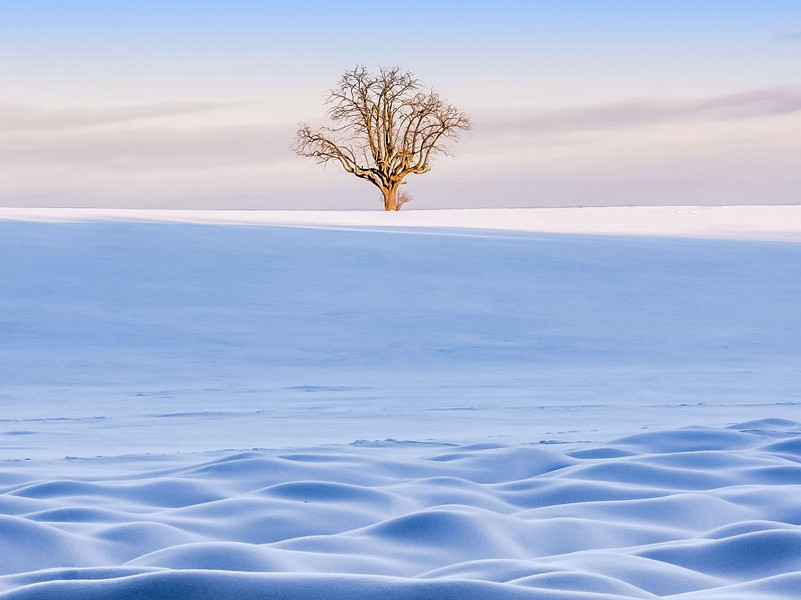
(194, 104)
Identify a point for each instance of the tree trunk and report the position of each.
(390, 198)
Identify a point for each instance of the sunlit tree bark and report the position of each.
(383, 127)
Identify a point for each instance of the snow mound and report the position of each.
(682, 514)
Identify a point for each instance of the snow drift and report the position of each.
(681, 514)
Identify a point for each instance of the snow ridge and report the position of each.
(763, 222)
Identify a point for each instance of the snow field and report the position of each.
(421, 413)
(131, 338)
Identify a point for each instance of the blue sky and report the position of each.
(222, 84)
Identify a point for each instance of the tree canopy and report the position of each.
(384, 126)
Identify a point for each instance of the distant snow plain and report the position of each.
(550, 403)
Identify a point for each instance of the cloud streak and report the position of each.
(17, 117)
(790, 36)
(119, 138)
(149, 148)
(734, 107)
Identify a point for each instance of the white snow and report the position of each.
(749, 222)
(334, 410)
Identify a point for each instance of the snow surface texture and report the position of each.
(698, 513)
(449, 397)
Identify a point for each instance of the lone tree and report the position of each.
(384, 127)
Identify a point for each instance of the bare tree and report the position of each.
(384, 127)
(401, 198)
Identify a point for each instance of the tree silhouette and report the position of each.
(384, 127)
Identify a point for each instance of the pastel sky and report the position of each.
(194, 103)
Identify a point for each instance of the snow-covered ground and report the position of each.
(731, 222)
(475, 404)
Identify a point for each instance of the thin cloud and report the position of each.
(643, 113)
(17, 117)
(149, 148)
(790, 36)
